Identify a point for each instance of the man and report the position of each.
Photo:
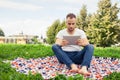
(73, 54)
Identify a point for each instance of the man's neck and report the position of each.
(71, 32)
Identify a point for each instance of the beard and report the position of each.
(71, 29)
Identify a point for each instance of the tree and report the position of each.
(82, 19)
(118, 38)
(51, 32)
(35, 40)
(104, 25)
(61, 26)
(1, 32)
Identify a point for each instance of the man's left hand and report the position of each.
(82, 42)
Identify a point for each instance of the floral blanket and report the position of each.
(49, 66)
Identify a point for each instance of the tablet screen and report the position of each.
(71, 39)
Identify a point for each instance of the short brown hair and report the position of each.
(71, 15)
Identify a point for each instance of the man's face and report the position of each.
(71, 24)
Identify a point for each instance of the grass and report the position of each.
(113, 76)
(8, 73)
(107, 52)
(12, 51)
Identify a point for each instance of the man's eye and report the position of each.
(73, 23)
(69, 23)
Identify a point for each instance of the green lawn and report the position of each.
(12, 51)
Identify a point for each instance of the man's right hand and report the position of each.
(64, 42)
(61, 42)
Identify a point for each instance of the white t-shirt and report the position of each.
(77, 32)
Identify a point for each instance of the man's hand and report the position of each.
(61, 42)
(82, 42)
(64, 42)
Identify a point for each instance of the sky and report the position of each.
(33, 17)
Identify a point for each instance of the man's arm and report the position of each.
(83, 42)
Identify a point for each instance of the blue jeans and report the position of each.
(82, 57)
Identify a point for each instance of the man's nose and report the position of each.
(71, 25)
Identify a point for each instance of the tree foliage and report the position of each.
(1, 32)
(53, 30)
(104, 25)
(82, 19)
(35, 40)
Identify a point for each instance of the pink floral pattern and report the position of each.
(48, 67)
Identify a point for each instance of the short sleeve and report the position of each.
(83, 35)
(59, 35)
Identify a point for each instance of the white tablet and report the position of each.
(71, 39)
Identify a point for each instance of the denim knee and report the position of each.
(90, 46)
(55, 46)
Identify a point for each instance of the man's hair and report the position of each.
(71, 15)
